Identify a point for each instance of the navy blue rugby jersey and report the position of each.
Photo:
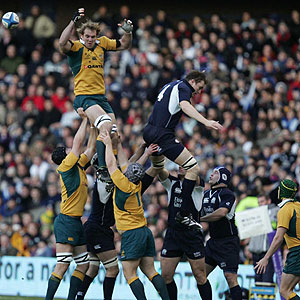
(167, 111)
(173, 186)
(214, 199)
(102, 206)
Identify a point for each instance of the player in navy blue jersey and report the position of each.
(179, 240)
(172, 101)
(222, 249)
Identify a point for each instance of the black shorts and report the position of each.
(170, 147)
(224, 253)
(188, 242)
(99, 238)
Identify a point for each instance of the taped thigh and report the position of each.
(82, 258)
(64, 257)
(102, 120)
(94, 260)
(158, 162)
(190, 164)
(110, 263)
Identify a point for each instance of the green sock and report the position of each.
(138, 289)
(161, 287)
(53, 284)
(100, 147)
(75, 284)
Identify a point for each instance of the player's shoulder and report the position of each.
(226, 192)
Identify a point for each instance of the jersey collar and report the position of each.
(83, 43)
(187, 83)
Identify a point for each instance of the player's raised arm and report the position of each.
(126, 38)
(64, 40)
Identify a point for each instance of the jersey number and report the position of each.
(161, 94)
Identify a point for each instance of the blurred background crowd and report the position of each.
(253, 69)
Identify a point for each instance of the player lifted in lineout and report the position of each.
(172, 101)
(86, 59)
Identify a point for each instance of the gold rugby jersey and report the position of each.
(87, 65)
(128, 206)
(289, 217)
(74, 188)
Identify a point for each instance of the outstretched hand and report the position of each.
(214, 125)
(126, 25)
(261, 265)
(79, 13)
(105, 137)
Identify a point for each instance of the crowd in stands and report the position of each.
(253, 69)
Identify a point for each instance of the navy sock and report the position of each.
(236, 293)
(160, 286)
(187, 189)
(84, 287)
(172, 290)
(100, 147)
(108, 287)
(205, 290)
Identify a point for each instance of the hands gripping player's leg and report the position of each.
(104, 122)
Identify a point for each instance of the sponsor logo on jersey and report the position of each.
(227, 203)
(176, 141)
(164, 251)
(206, 200)
(178, 190)
(177, 202)
(71, 239)
(93, 66)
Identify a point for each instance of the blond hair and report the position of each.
(90, 25)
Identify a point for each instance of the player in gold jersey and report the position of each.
(68, 229)
(86, 59)
(288, 219)
(137, 244)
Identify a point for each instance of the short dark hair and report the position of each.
(197, 76)
(58, 155)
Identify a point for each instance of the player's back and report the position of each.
(167, 111)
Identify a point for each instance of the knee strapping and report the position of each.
(158, 162)
(190, 164)
(110, 263)
(95, 261)
(64, 257)
(101, 120)
(82, 258)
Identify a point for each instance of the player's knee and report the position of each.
(200, 277)
(231, 279)
(103, 121)
(82, 261)
(167, 275)
(112, 271)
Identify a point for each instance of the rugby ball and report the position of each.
(10, 20)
